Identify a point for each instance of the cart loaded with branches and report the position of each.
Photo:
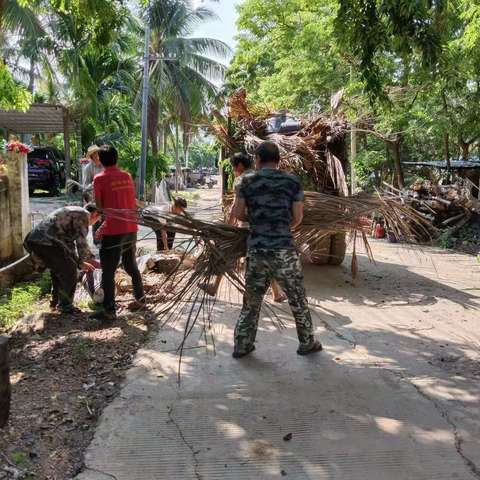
(313, 148)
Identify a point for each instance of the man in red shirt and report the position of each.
(114, 189)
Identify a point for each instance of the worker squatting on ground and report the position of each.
(60, 243)
(242, 164)
(274, 202)
(165, 237)
(114, 189)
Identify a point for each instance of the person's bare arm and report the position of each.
(297, 214)
(239, 209)
(165, 240)
(231, 217)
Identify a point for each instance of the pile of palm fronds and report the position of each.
(312, 151)
(219, 246)
(444, 206)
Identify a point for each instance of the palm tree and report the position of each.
(17, 20)
(183, 69)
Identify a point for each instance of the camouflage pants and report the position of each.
(262, 266)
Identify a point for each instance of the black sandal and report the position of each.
(237, 354)
(316, 347)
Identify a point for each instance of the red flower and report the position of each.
(18, 147)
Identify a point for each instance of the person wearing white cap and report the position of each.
(92, 168)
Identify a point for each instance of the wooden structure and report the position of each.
(41, 118)
(20, 221)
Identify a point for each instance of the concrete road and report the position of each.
(395, 394)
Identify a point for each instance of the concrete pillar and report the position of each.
(20, 220)
(66, 143)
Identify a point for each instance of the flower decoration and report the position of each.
(18, 147)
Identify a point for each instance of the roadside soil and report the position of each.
(62, 376)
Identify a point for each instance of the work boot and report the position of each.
(69, 310)
(237, 354)
(313, 347)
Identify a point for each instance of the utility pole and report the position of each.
(353, 156)
(142, 166)
(353, 151)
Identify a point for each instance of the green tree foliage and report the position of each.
(409, 70)
(287, 55)
(370, 29)
(183, 71)
(12, 95)
(203, 155)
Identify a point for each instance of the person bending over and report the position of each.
(60, 243)
(165, 237)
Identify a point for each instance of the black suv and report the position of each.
(46, 170)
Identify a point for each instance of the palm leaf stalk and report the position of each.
(218, 247)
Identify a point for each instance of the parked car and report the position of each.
(46, 170)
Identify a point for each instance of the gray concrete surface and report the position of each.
(394, 395)
(227, 419)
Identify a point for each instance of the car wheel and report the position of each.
(338, 249)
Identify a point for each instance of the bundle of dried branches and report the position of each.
(309, 151)
(222, 245)
(218, 247)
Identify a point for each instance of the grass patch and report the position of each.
(21, 300)
(19, 459)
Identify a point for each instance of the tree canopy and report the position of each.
(409, 71)
(88, 54)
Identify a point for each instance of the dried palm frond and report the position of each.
(308, 152)
(218, 247)
(222, 245)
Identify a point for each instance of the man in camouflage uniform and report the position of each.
(60, 243)
(272, 202)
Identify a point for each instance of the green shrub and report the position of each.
(447, 240)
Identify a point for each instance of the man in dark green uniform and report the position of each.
(272, 202)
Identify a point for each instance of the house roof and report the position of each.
(459, 164)
(39, 118)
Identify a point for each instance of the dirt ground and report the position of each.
(410, 319)
(62, 377)
(414, 313)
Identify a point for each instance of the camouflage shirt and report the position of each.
(66, 227)
(269, 195)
